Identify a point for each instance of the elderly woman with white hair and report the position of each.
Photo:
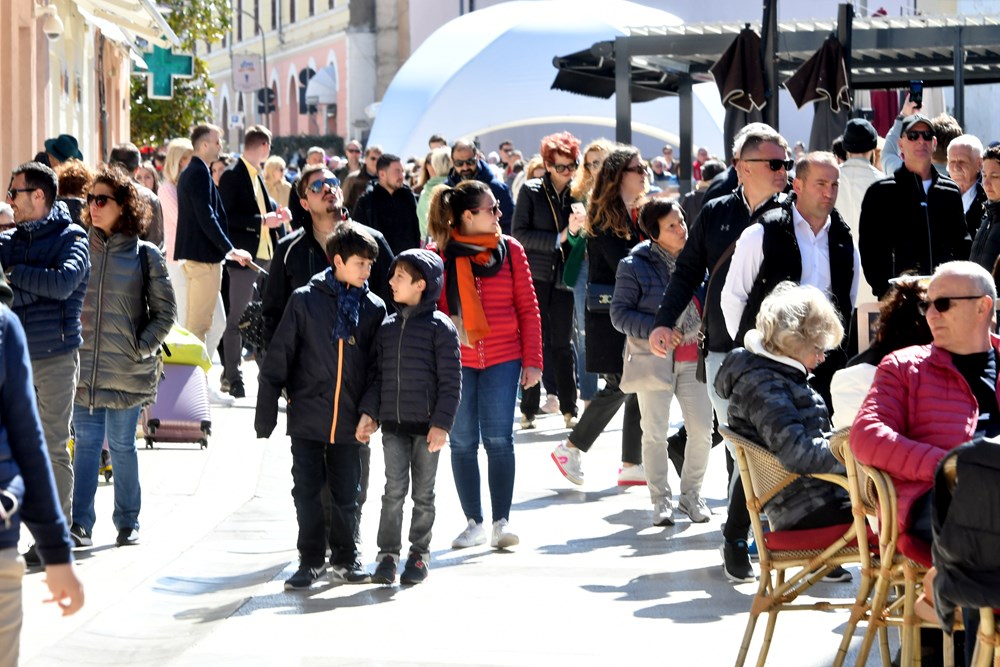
(771, 402)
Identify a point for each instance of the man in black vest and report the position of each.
(390, 207)
(805, 241)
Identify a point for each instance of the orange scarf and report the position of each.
(472, 326)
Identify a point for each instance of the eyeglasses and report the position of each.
(12, 192)
(638, 169)
(471, 162)
(100, 200)
(926, 135)
(563, 168)
(319, 184)
(353, 150)
(495, 209)
(507, 150)
(943, 304)
(594, 165)
(773, 165)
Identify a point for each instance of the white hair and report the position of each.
(969, 140)
(979, 276)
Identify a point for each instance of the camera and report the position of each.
(52, 26)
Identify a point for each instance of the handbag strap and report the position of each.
(555, 218)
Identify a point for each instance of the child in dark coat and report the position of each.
(420, 373)
(323, 354)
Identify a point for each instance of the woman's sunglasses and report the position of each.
(774, 165)
(638, 169)
(495, 209)
(594, 165)
(563, 168)
(101, 200)
(943, 304)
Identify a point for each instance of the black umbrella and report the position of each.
(740, 75)
(822, 77)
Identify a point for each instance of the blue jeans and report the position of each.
(338, 466)
(487, 411)
(91, 428)
(406, 456)
(588, 381)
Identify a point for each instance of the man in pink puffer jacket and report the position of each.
(929, 399)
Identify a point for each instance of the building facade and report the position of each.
(66, 67)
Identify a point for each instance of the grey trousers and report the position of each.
(55, 388)
(407, 457)
(241, 282)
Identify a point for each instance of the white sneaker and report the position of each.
(503, 538)
(694, 506)
(632, 476)
(551, 405)
(217, 398)
(472, 536)
(567, 459)
(663, 513)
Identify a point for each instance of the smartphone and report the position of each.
(917, 93)
(578, 207)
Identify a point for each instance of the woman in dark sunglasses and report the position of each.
(612, 231)
(127, 312)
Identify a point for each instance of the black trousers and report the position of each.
(556, 308)
(601, 409)
(337, 466)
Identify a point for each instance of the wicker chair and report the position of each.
(810, 554)
(902, 562)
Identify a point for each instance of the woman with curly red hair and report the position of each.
(127, 312)
(548, 228)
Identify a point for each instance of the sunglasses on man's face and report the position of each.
(774, 165)
(943, 304)
(318, 185)
(100, 200)
(926, 135)
(353, 150)
(471, 162)
(563, 168)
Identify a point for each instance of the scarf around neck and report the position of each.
(468, 258)
(348, 306)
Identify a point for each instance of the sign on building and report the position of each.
(164, 67)
(248, 74)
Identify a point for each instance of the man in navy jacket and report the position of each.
(202, 231)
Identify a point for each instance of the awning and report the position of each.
(127, 20)
(323, 87)
(115, 34)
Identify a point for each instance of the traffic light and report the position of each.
(266, 101)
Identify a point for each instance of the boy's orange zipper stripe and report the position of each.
(336, 394)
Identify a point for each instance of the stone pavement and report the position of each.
(592, 582)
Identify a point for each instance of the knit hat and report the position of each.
(859, 136)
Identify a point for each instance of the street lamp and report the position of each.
(263, 49)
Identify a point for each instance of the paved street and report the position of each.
(592, 583)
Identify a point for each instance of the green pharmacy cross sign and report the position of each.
(164, 67)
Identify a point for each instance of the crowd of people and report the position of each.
(434, 299)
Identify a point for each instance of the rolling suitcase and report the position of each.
(181, 412)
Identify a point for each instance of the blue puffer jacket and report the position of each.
(48, 266)
(25, 471)
(419, 358)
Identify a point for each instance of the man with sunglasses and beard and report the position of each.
(302, 254)
(763, 172)
(914, 220)
(468, 166)
(47, 260)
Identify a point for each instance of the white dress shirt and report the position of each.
(748, 256)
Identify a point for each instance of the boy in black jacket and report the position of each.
(323, 354)
(420, 373)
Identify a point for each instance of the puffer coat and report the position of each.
(771, 403)
(47, 265)
(539, 217)
(125, 318)
(419, 358)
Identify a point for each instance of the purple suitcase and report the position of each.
(181, 412)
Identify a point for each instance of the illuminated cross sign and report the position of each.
(164, 67)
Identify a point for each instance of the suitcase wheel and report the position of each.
(107, 475)
(152, 425)
(204, 443)
(206, 427)
(149, 443)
